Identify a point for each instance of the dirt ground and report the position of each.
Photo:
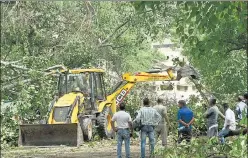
(103, 149)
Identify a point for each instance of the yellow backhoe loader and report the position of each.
(82, 103)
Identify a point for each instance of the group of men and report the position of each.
(230, 122)
(154, 122)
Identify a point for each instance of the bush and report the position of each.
(203, 147)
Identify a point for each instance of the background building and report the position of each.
(176, 89)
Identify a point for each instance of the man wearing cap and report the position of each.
(212, 118)
(185, 118)
(160, 129)
(229, 125)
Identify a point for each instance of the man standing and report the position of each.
(240, 108)
(185, 118)
(161, 129)
(212, 118)
(229, 124)
(149, 118)
(124, 125)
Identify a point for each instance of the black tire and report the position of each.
(104, 129)
(87, 129)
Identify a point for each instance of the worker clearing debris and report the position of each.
(212, 118)
(82, 104)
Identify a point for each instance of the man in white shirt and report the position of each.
(229, 125)
(124, 125)
(241, 108)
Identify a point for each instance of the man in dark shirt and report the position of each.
(212, 118)
(185, 118)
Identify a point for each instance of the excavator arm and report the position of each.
(123, 88)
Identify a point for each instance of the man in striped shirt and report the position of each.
(149, 118)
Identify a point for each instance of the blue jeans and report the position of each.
(147, 130)
(123, 134)
(222, 135)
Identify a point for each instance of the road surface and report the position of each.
(102, 149)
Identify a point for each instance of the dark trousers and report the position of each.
(184, 134)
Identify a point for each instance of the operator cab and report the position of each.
(90, 83)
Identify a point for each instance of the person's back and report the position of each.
(185, 119)
(124, 125)
(230, 119)
(212, 118)
(149, 117)
(122, 118)
(229, 124)
(240, 108)
(186, 115)
(161, 128)
(162, 111)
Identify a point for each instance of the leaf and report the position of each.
(191, 31)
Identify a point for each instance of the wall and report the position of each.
(181, 89)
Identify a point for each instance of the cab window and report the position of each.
(99, 93)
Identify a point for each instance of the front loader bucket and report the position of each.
(50, 135)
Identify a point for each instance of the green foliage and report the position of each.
(9, 127)
(204, 147)
(213, 37)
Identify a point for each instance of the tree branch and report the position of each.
(14, 84)
(121, 33)
(55, 67)
(199, 88)
(115, 31)
(12, 65)
(236, 48)
(112, 46)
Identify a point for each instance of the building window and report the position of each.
(182, 88)
(166, 87)
(193, 88)
(185, 88)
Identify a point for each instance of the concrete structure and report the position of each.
(177, 89)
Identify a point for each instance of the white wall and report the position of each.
(176, 93)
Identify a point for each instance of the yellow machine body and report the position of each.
(76, 110)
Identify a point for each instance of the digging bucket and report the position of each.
(50, 135)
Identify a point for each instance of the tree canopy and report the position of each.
(213, 36)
